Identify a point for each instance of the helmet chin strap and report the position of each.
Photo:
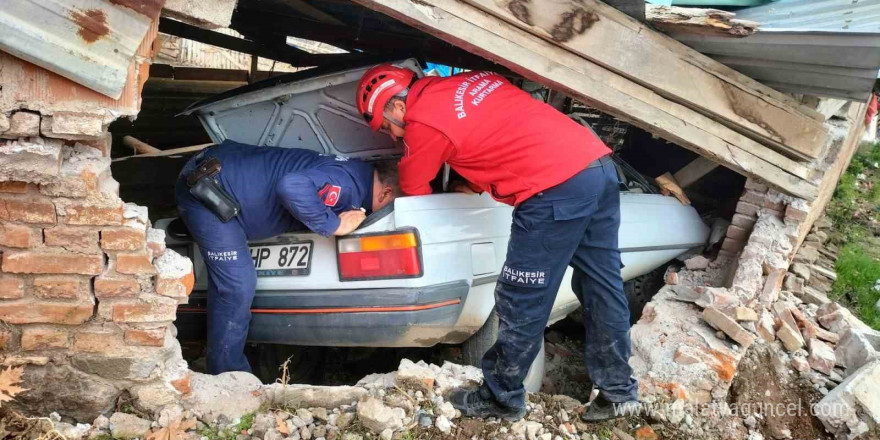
(394, 120)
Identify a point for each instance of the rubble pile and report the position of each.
(693, 335)
(405, 404)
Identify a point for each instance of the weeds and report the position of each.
(855, 212)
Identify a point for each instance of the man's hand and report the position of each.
(349, 221)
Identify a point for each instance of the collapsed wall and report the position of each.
(692, 336)
(88, 291)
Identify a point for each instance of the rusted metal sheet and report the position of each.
(92, 42)
(29, 86)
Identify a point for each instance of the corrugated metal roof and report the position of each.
(833, 15)
(819, 47)
(91, 42)
(823, 63)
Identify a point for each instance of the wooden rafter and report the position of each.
(609, 38)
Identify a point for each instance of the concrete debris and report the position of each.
(125, 426)
(443, 424)
(34, 160)
(415, 376)
(813, 296)
(853, 407)
(821, 357)
(377, 417)
(308, 396)
(230, 395)
(801, 270)
(857, 348)
(698, 262)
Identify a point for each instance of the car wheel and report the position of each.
(476, 346)
(640, 290)
(304, 367)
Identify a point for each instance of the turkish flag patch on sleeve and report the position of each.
(330, 194)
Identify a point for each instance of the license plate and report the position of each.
(275, 260)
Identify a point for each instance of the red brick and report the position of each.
(737, 233)
(27, 210)
(5, 339)
(44, 339)
(747, 209)
(52, 262)
(150, 337)
(175, 287)
(72, 238)
(755, 185)
(60, 287)
(732, 245)
(13, 187)
(106, 287)
(753, 197)
(123, 239)
(45, 313)
(95, 342)
(775, 205)
(183, 385)
(795, 214)
(135, 264)
(17, 236)
(11, 287)
(144, 312)
(743, 221)
(93, 215)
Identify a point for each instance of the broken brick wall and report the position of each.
(692, 336)
(88, 292)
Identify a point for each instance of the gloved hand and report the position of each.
(349, 221)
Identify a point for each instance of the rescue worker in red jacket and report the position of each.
(564, 187)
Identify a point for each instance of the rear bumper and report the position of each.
(421, 316)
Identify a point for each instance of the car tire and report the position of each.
(305, 362)
(476, 346)
(639, 292)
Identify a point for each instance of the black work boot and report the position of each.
(479, 402)
(601, 409)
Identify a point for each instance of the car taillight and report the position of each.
(378, 256)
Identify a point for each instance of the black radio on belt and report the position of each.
(204, 186)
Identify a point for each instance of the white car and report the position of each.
(419, 272)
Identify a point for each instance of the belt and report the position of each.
(599, 162)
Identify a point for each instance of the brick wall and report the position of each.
(82, 290)
(88, 292)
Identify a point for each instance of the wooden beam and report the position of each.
(694, 171)
(284, 53)
(542, 61)
(699, 21)
(609, 38)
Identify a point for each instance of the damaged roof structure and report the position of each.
(90, 292)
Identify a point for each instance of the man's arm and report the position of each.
(426, 151)
(310, 196)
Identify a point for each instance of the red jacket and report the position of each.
(492, 133)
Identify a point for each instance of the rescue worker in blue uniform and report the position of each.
(276, 190)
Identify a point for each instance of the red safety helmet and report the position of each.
(377, 86)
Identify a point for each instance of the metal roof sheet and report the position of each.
(823, 63)
(835, 15)
(91, 42)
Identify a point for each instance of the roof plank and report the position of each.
(613, 40)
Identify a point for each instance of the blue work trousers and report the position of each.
(232, 281)
(575, 223)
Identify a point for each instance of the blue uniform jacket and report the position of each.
(284, 189)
